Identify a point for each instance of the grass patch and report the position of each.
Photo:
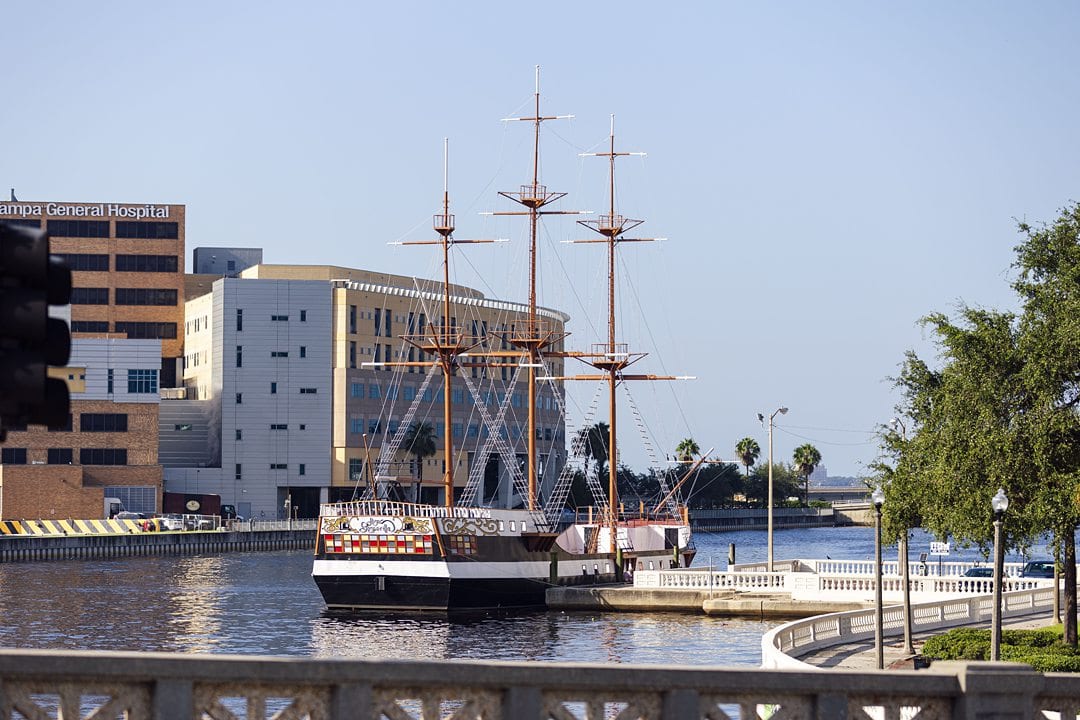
(1042, 649)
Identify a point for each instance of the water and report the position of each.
(266, 603)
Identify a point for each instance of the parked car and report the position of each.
(979, 572)
(172, 521)
(1038, 569)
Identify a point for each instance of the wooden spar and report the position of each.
(688, 473)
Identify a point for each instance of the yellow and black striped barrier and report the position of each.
(61, 528)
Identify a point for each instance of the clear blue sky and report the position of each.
(825, 173)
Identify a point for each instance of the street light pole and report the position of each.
(782, 411)
(905, 576)
(879, 499)
(999, 503)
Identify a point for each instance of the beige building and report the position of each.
(374, 401)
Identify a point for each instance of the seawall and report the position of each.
(35, 549)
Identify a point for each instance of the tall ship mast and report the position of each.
(612, 357)
(537, 336)
(444, 341)
(382, 553)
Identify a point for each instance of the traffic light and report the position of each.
(31, 341)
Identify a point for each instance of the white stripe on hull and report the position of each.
(468, 570)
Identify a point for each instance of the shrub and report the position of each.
(1042, 649)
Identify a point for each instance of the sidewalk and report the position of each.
(862, 656)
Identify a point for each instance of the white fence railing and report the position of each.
(704, 579)
(783, 646)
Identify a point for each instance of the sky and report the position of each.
(822, 174)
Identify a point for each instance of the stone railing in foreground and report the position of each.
(782, 647)
(136, 686)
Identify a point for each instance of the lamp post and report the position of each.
(781, 411)
(879, 499)
(909, 648)
(1000, 503)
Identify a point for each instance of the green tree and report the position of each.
(748, 451)
(806, 459)
(687, 449)
(714, 486)
(1000, 411)
(756, 485)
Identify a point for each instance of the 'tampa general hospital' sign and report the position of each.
(88, 210)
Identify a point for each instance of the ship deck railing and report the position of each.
(399, 508)
(628, 518)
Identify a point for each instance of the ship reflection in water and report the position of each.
(542, 636)
(266, 603)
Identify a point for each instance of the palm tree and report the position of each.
(419, 440)
(807, 458)
(748, 451)
(594, 447)
(687, 449)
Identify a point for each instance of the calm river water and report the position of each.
(266, 603)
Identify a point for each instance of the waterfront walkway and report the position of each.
(862, 655)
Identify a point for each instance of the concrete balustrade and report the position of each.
(158, 686)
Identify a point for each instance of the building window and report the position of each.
(78, 228)
(86, 263)
(145, 296)
(239, 434)
(386, 322)
(147, 330)
(103, 456)
(238, 474)
(89, 296)
(147, 230)
(147, 263)
(279, 426)
(279, 353)
(239, 398)
(373, 392)
(356, 390)
(66, 427)
(303, 427)
(109, 382)
(13, 456)
(273, 388)
(352, 319)
(103, 422)
(378, 322)
(239, 356)
(303, 316)
(308, 391)
(352, 353)
(60, 456)
(279, 466)
(279, 318)
(90, 326)
(356, 426)
(142, 381)
(239, 320)
(303, 351)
